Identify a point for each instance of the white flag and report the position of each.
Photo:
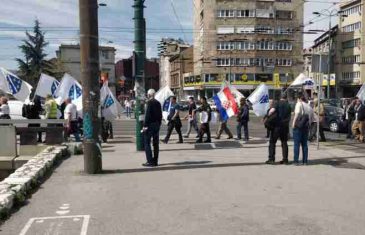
(303, 80)
(47, 85)
(361, 93)
(163, 96)
(260, 100)
(109, 104)
(69, 88)
(11, 84)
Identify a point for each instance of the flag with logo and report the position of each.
(47, 85)
(110, 107)
(361, 93)
(260, 100)
(69, 88)
(226, 103)
(11, 84)
(303, 80)
(163, 96)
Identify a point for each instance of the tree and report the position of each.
(34, 62)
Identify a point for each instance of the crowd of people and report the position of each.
(303, 120)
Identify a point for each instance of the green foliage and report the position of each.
(34, 62)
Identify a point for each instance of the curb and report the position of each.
(15, 188)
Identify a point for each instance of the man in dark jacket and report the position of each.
(174, 121)
(282, 111)
(358, 127)
(151, 129)
(33, 111)
(243, 118)
(206, 112)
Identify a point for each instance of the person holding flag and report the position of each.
(174, 121)
(243, 118)
(206, 115)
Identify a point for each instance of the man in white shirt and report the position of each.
(127, 106)
(70, 114)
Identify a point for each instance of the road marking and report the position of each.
(84, 228)
(40, 221)
(62, 212)
(64, 207)
(65, 204)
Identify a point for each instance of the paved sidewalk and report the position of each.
(227, 190)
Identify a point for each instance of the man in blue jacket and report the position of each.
(243, 118)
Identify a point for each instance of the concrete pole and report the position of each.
(89, 55)
(329, 58)
(139, 65)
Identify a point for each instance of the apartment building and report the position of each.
(246, 43)
(351, 48)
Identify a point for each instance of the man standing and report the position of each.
(70, 115)
(127, 106)
(359, 122)
(174, 121)
(282, 111)
(191, 117)
(151, 129)
(206, 113)
(243, 118)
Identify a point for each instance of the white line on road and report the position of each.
(62, 212)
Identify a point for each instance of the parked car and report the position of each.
(334, 119)
(184, 105)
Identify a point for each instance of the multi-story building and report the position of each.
(168, 48)
(69, 56)
(124, 73)
(247, 43)
(181, 68)
(351, 47)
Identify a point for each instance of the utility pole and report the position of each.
(329, 59)
(139, 64)
(89, 54)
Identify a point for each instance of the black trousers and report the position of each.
(176, 124)
(281, 133)
(204, 129)
(313, 132)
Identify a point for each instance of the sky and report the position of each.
(60, 20)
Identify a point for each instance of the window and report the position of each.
(283, 62)
(225, 46)
(350, 75)
(284, 15)
(225, 13)
(245, 45)
(284, 30)
(247, 29)
(224, 62)
(351, 59)
(351, 43)
(225, 30)
(264, 13)
(351, 27)
(105, 54)
(284, 46)
(352, 10)
(265, 45)
(246, 13)
(263, 29)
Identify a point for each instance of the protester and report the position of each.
(243, 118)
(303, 116)
(151, 129)
(349, 116)
(271, 106)
(128, 106)
(206, 116)
(223, 126)
(33, 111)
(278, 121)
(174, 121)
(70, 115)
(4, 108)
(51, 108)
(319, 116)
(191, 117)
(358, 128)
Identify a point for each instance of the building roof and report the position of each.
(324, 37)
(69, 46)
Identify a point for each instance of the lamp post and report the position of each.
(330, 14)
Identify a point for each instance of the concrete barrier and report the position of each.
(8, 144)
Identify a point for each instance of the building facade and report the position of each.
(69, 57)
(168, 48)
(181, 69)
(351, 47)
(124, 74)
(246, 43)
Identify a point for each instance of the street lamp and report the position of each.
(329, 14)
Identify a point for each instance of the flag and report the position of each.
(69, 88)
(260, 100)
(303, 80)
(236, 94)
(361, 93)
(163, 96)
(47, 85)
(110, 106)
(13, 85)
(226, 103)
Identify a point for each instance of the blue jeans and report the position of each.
(300, 139)
(128, 111)
(245, 130)
(152, 133)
